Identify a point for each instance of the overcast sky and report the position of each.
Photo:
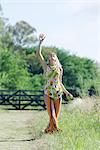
(70, 24)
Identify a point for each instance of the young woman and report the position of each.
(54, 88)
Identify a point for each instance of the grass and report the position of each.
(23, 129)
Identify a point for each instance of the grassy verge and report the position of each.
(81, 130)
(22, 130)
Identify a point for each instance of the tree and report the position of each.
(19, 37)
(13, 71)
(23, 34)
(20, 68)
(79, 73)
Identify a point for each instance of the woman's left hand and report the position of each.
(70, 96)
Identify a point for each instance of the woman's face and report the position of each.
(52, 59)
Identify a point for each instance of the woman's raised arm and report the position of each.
(39, 54)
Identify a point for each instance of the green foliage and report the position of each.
(23, 34)
(79, 72)
(37, 82)
(13, 71)
(34, 65)
(20, 68)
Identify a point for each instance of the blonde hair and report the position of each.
(58, 64)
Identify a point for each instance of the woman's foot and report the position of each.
(57, 130)
(48, 130)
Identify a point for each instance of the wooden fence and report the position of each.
(20, 99)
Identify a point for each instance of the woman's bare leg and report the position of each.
(46, 104)
(52, 115)
(57, 109)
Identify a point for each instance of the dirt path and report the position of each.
(22, 130)
(17, 131)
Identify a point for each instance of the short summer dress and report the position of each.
(53, 87)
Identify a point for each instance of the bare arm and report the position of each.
(68, 94)
(63, 87)
(39, 54)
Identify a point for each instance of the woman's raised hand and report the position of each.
(41, 37)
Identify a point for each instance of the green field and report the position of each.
(22, 130)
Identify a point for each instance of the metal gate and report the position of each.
(20, 99)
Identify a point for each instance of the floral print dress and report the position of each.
(53, 87)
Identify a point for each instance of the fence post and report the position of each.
(19, 106)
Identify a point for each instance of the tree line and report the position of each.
(20, 69)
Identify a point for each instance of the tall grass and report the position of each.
(81, 131)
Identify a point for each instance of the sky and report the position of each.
(73, 25)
